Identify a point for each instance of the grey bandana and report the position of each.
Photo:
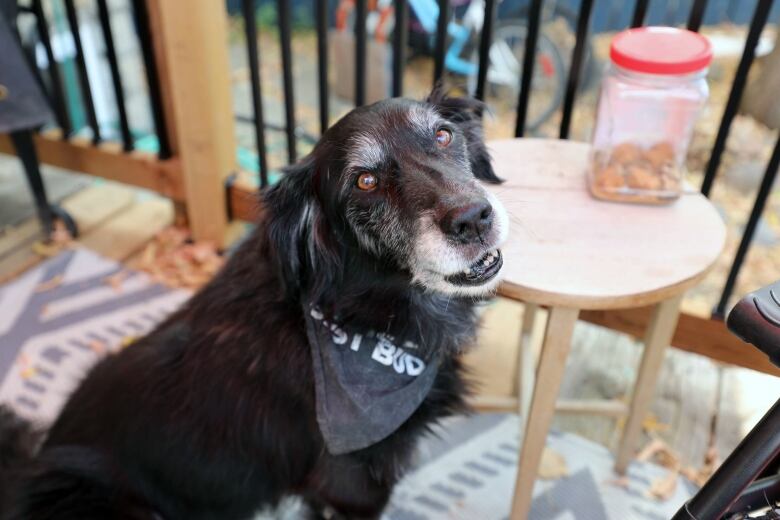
(367, 383)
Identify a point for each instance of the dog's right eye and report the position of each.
(367, 181)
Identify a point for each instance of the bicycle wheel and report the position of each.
(506, 68)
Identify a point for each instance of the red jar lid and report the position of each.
(661, 50)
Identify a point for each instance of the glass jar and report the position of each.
(651, 94)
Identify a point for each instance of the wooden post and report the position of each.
(191, 44)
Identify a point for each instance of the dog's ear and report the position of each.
(466, 112)
(305, 247)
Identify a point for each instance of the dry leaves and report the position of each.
(701, 475)
(659, 452)
(97, 346)
(48, 285)
(553, 465)
(174, 260)
(621, 482)
(116, 280)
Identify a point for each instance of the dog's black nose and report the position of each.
(469, 222)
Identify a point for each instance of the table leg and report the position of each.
(658, 336)
(552, 363)
(526, 363)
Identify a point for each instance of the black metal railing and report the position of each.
(578, 56)
(57, 91)
(641, 11)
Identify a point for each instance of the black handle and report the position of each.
(756, 320)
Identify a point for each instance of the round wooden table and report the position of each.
(570, 252)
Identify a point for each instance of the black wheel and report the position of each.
(506, 68)
(66, 219)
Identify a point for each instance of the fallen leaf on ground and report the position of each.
(621, 482)
(172, 259)
(46, 249)
(48, 285)
(701, 475)
(116, 280)
(653, 447)
(664, 487)
(651, 424)
(553, 465)
(98, 347)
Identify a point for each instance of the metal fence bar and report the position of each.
(750, 228)
(116, 76)
(360, 52)
(141, 17)
(760, 16)
(697, 15)
(321, 15)
(441, 40)
(58, 95)
(534, 20)
(640, 12)
(577, 57)
(285, 37)
(400, 37)
(81, 66)
(485, 40)
(250, 30)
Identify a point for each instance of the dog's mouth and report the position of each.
(480, 272)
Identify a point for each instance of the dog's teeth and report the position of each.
(467, 271)
(486, 263)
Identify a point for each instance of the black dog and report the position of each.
(384, 227)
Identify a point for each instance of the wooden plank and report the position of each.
(659, 334)
(12, 238)
(193, 37)
(244, 201)
(128, 232)
(17, 262)
(609, 408)
(88, 207)
(108, 161)
(703, 336)
(93, 205)
(603, 407)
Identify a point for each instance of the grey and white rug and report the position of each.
(61, 317)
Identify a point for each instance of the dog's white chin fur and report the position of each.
(435, 259)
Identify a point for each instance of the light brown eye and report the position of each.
(367, 181)
(443, 137)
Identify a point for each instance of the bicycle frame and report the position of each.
(427, 12)
(756, 320)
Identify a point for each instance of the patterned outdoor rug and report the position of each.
(61, 317)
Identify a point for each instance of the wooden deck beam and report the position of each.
(700, 335)
(108, 161)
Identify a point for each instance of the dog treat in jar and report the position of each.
(652, 92)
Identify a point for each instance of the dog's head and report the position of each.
(393, 188)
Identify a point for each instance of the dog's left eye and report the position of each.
(443, 137)
(367, 181)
